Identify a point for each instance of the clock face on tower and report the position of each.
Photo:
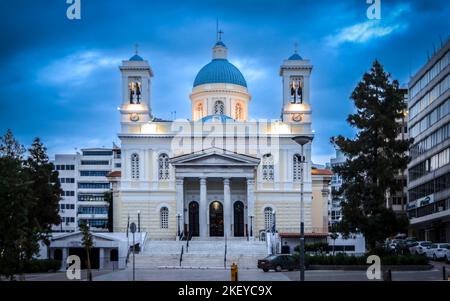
(134, 117)
(297, 117)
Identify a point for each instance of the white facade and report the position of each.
(84, 182)
(220, 172)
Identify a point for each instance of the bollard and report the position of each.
(234, 272)
(387, 275)
(444, 273)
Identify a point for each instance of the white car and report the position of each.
(437, 251)
(419, 247)
(447, 255)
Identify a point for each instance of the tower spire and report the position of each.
(219, 32)
(136, 48)
(295, 47)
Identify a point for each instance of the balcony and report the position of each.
(92, 216)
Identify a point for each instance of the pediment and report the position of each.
(215, 157)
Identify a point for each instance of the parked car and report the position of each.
(437, 251)
(419, 247)
(279, 263)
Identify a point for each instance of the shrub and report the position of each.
(344, 259)
(42, 266)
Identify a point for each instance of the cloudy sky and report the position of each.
(60, 80)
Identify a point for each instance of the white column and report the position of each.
(251, 207)
(203, 210)
(227, 208)
(180, 203)
(102, 258)
(65, 254)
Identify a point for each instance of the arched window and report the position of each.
(267, 167)
(238, 111)
(268, 218)
(297, 168)
(164, 213)
(135, 166)
(163, 167)
(199, 110)
(219, 108)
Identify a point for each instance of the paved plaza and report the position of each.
(155, 274)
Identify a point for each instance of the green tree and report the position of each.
(374, 157)
(29, 196)
(15, 194)
(87, 243)
(46, 196)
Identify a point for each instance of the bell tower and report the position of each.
(136, 83)
(295, 73)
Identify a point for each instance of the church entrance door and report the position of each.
(215, 219)
(193, 219)
(238, 209)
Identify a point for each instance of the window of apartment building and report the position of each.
(435, 138)
(94, 162)
(430, 74)
(67, 180)
(430, 119)
(91, 197)
(65, 167)
(94, 185)
(430, 187)
(93, 173)
(68, 193)
(434, 162)
(97, 153)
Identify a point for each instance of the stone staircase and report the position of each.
(202, 254)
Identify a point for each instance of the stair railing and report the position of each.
(181, 254)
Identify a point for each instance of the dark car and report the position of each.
(278, 263)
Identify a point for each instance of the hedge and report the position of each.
(344, 259)
(42, 266)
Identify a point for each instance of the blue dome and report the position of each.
(216, 118)
(136, 58)
(220, 71)
(295, 57)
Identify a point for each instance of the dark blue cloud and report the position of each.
(60, 79)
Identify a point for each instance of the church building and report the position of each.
(218, 172)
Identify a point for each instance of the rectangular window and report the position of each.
(93, 173)
(91, 197)
(97, 153)
(94, 162)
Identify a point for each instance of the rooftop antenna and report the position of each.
(136, 48)
(440, 39)
(295, 47)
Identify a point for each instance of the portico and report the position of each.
(215, 193)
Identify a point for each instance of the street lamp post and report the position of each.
(302, 140)
(139, 221)
(133, 230)
(251, 225)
